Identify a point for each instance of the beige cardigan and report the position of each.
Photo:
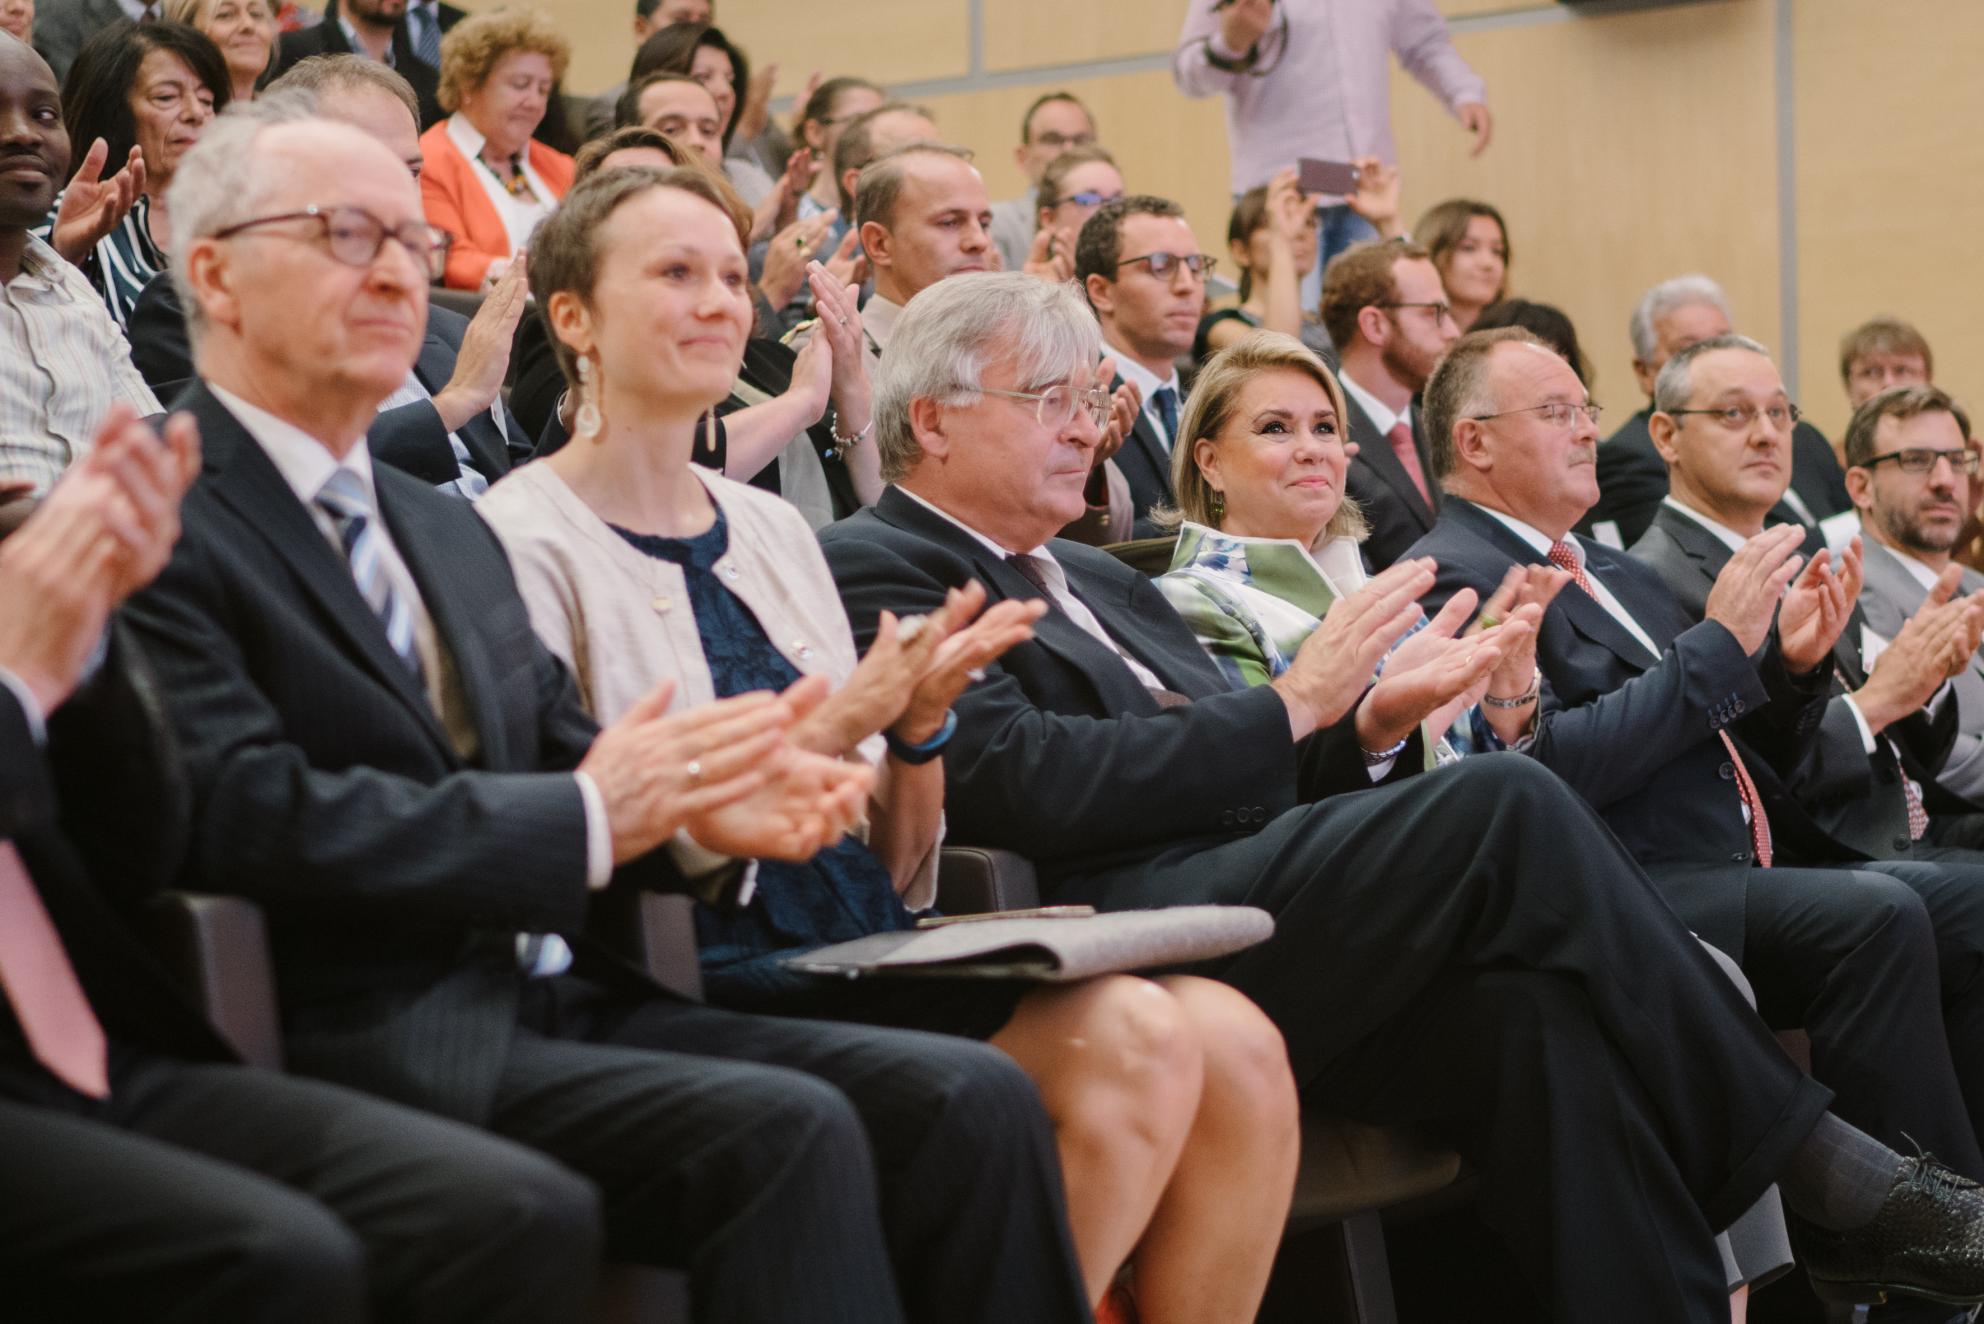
(621, 622)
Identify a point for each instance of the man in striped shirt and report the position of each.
(63, 362)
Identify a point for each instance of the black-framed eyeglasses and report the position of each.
(1737, 417)
(1055, 407)
(1049, 138)
(1162, 265)
(1922, 460)
(1442, 310)
(1557, 413)
(354, 236)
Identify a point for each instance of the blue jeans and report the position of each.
(1340, 228)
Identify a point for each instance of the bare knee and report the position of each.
(1110, 1052)
(1247, 1076)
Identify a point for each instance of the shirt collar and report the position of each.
(1530, 534)
(133, 9)
(1924, 576)
(41, 265)
(985, 542)
(879, 317)
(1377, 410)
(1141, 377)
(305, 463)
(465, 135)
(360, 48)
(1729, 537)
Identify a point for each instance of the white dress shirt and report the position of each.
(1148, 382)
(1613, 607)
(470, 482)
(1375, 409)
(520, 212)
(306, 464)
(1057, 589)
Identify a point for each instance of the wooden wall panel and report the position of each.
(1165, 143)
(1890, 183)
(1024, 34)
(1627, 149)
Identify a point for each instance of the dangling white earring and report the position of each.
(587, 422)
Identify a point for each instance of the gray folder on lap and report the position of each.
(1049, 949)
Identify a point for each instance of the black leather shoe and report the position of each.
(1927, 1241)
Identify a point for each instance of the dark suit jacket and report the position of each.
(1636, 735)
(137, 1002)
(1146, 466)
(327, 38)
(1062, 722)
(394, 872)
(1843, 803)
(1632, 478)
(409, 437)
(62, 26)
(1398, 515)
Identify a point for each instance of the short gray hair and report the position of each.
(346, 73)
(953, 329)
(1676, 381)
(1458, 389)
(1664, 298)
(222, 180)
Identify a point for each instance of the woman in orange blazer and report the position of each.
(485, 180)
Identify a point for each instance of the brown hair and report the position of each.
(1358, 278)
(1453, 391)
(471, 49)
(1057, 172)
(564, 251)
(1214, 399)
(1099, 246)
(1442, 228)
(1882, 335)
(321, 74)
(1897, 402)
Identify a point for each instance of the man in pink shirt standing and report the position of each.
(1311, 78)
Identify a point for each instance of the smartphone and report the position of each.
(1335, 178)
(1038, 912)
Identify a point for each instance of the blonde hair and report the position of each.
(1214, 400)
(472, 48)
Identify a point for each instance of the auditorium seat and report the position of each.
(219, 947)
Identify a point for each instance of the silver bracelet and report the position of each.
(1522, 700)
(1375, 757)
(842, 445)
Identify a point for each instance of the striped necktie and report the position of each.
(343, 495)
(425, 22)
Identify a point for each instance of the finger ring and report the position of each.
(695, 770)
(844, 321)
(799, 242)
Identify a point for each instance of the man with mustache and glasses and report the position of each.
(1683, 729)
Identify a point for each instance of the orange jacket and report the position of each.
(455, 201)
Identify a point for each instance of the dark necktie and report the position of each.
(1564, 557)
(424, 22)
(48, 1000)
(1166, 401)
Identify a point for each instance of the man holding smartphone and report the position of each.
(1309, 78)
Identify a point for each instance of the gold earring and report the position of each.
(1218, 505)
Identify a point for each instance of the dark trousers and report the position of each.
(1472, 949)
(216, 1193)
(1849, 955)
(1950, 882)
(791, 1165)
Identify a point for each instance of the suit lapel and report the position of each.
(248, 483)
(1144, 439)
(1708, 552)
(1374, 451)
(1581, 610)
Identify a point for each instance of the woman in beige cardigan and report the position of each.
(1172, 1102)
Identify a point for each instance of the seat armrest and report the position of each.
(219, 948)
(972, 880)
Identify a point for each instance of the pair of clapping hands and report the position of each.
(104, 531)
(1445, 667)
(766, 775)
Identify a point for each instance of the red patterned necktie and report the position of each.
(1564, 557)
(48, 999)
(1918, 815)
(1408, 457)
